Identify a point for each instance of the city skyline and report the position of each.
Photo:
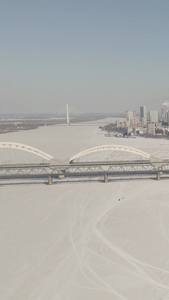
(97, 56)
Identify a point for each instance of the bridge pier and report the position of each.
(106, 178)
(50, 180)
(158, 175)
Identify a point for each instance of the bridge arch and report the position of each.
(110, 148)
(26, 148)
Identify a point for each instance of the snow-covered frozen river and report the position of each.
(84, 240)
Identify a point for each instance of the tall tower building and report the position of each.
(165, 109)
(168, 117)
(143, 115)
(154, 116)
(67, 115)
(131, 117)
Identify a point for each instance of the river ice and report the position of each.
(85, 239)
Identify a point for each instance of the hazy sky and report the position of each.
(95, 55)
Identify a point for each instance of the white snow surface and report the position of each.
(85, 239)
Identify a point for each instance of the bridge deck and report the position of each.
(94, 169)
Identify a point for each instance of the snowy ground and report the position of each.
(84, 240)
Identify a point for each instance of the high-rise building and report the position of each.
(143, 115)
(153, 116)
(165, 108)
(151, 128)
(168, 117)
(131, 117)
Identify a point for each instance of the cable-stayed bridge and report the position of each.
(19, 161)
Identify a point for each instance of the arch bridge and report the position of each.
(16, 155)
(106, 148)
(19, 161)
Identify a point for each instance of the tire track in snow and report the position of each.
(82, 264)
(133, 261)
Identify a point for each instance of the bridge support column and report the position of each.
(158, 175)
(105, 178)
(50, 180)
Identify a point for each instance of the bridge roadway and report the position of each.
(120, 169)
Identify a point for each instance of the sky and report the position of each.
(95, 55)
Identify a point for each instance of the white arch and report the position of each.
(17, 146)
(110, 148)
